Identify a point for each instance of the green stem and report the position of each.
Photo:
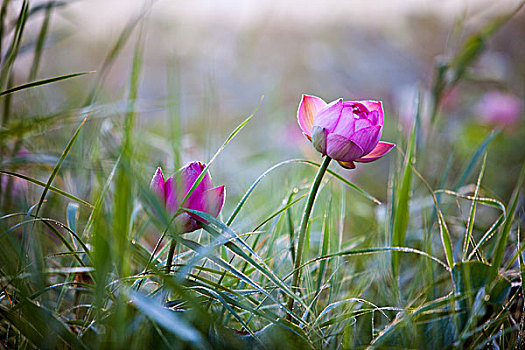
(304, 224)
(169, 261)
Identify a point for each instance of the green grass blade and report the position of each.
(291, 161)
(505, 230)
(43, 82)
(51, 188)
(345, 181)
(475, 159)
(326, 232)
(368, 251)
(41, 40)
(443, 229)
(205, 170)
(215, 227)
(280, 211)
(402, 194)
(470, 224)
(12, 52)
(167, 319)
(58, 165)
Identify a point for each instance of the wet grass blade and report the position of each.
(368, 251)
(215, 227)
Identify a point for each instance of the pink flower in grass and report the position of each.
(347, 131)
(204, 198)
(499, 108)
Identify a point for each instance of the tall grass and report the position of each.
(432, 266)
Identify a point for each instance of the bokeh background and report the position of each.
(223, 57)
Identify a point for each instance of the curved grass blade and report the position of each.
(349, 300)
(279, 212)
(47, 222)
(488, 235)
(443, 229)
(368, 251)
(491, 202)
(43, 82)
(214, 227)
(345, 181)
(51, 188)
(263, 175)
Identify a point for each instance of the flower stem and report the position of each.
(304, 224)
(169, 261)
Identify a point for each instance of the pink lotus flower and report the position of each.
(204, 198)
(500, 108)
(347, 131)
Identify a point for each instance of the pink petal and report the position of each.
(375, 106)
(362, 123)
(157, 185)
(328, 117)
(210, 202)
(215, 200)
(190, 173)
(379, 151)
(367, 138)
(172, 202)
(346, 124)
(308, 109)
(342, 149)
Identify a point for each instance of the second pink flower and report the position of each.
(347, 131)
